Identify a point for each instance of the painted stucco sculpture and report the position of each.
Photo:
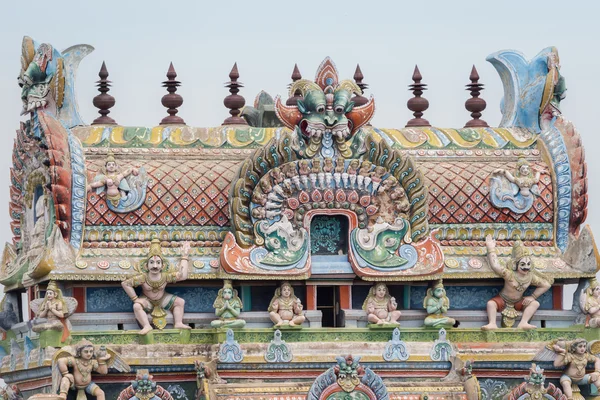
(53, 311)
(574, 356)
(125, 190)
(436, 303)
(285, 308)
(590, 304)
(155, 273)
(144, 388)
(348, 379)
(73, 368)
(227, 307)
(515, 190)
(518, 276)
(321, 199)
(206, 374)
(534, 387)
(381, 307)
(329, 165)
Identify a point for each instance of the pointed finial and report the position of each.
(104, 101)
(359, 99)
(172, 100)
(296, 76)
(475, 105)
(417, 104)
(234, 101)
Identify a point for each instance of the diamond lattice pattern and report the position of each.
(459, 193)
(179, 193)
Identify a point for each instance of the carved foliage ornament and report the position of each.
(382, 193)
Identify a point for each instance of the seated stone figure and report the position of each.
(437, 303)
(227, 307)
(381, 308)
(52, 312)
(590, 304)
(285, 308)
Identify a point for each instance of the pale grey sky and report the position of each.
(138, 39)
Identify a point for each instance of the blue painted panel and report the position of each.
(114, 299)
(197, 299)
(111, 299)
(471, 297)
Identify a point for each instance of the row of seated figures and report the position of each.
(380, 308)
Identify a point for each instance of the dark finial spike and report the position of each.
(417, 75)
(293, 99)
(358, 75)
(417, 104)
(475, 105)
(104, 101)
(234, 74)
(171, 74)
(296, 76)
(359, 99)
(172, 100)
(103, 74)
(234, 101)
(474, 77)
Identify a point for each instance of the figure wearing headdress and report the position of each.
(381, 308)
(517, 278)
(437, 304)
(154, 276)
(125, 190)
(515, 190)
(72, 368)
(116, 185)
(285, 308)
(574, 356)
(590, 304)
(52, 312)
(227, 307)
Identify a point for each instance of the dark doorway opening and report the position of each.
(329, 304)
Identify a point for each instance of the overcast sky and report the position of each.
(138, 39)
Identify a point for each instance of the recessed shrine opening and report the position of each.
(329, 235)
(328, 302)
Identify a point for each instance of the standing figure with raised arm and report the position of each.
(518, 276)
(154, 276)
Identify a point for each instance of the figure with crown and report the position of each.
(72, 368)
(515, 190)
(518, 276)
(125, 190)
(52, 312)
(154, 276)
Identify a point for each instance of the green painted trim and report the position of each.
(246, 298)
(406, 297)
(52, 338)
(265, 335)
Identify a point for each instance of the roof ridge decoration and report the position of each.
(301, 174)
(325, 115)
(533, 90)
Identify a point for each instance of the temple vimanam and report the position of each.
(297, 251)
